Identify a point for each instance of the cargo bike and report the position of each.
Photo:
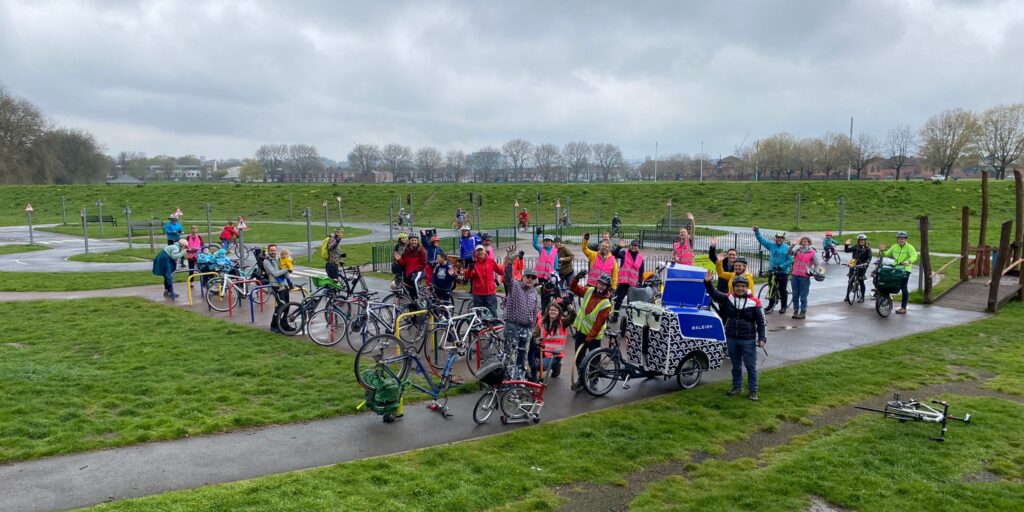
(888, 280)
(677, 336)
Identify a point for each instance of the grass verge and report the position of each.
(118, 256)
(258, 232)
(76, 281)
(19, 248)
(524, 463)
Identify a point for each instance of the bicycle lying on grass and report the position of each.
(912, 410)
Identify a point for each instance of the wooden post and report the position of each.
(1018, 245)
(983, 262)
(965, 221)
(926, 261)
(997, 272)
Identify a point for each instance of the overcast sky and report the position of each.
(220, 78)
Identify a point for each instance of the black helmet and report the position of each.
(605, 280)
(740, 280)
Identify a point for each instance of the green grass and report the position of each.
(257, 232)
(19, 248)
(522, 465)
(871, 464)
(118, 256)
(75, 281)
(874, 205)
(77, 376)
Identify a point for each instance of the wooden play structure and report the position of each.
(986, 282)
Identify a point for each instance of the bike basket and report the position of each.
(890, 279)
(321, 282)
(491, 374)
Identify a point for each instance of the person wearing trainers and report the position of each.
(861, 255)
(905, 255)
(166, 261)
(745, 330)
(806, 262)
(780, 261)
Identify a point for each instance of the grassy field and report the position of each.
(79, 377)
(118, 256)
(19, 248)
(76, 281)
(257, 232)
(518, 470)
(869, 205)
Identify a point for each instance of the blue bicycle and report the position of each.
(386, 358)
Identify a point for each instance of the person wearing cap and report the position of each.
(481, 272)
(412, 260)
(547, 256)
(173, 230)
(739, 269)
(467, 244)
(745, 331)
(780, 261)
(334, 255)
(727, 262)
(631, 268)
(828, 246)
(521, 308)
(592, 312)
(616, 223)
(860, 258)
(564, 261)
(601, 262)
(166, 261)
(806, 260)
(905, 255)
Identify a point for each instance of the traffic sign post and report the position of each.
(128, 215)
(85, 231)
(31, 237)
(64, 210)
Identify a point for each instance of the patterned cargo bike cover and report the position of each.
(667, 346)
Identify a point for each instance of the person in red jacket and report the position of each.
(480, 274)
(413, 260)
(227, 235)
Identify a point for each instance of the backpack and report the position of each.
(323, 248)
(387, 394)
(259, 272)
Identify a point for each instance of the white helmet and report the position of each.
(466, 227)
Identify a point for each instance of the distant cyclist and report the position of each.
(828, 246)
(861, 257)
(780, 261)
(616, 224)
(905, 255)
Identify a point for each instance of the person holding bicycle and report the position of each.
(682, 250)
(591, 315)
(828, 246)
(227, 235)
(273, 269)
(780, 260)
(806, 263)
(522, 305)
(905, 255)
(524, 220)
(460, 217)
(413, 260)
(860, 258)
(745, 331)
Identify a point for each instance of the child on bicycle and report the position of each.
(829, 246)
(861, 257)
(228, 235)
(285, 262)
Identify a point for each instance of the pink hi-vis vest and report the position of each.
(552, 342)
(546, 262)
(683, 252)
(601, 268)
(802, 262)
(630, 271)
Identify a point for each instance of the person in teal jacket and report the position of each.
(905, 255)
(173, 230)
(166, 261)
(780, 261)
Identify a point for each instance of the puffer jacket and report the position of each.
(466, 246)
(744, 320)
(778, 254)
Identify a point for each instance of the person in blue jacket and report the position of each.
(467, 244)
(780, 261)
(173, 230)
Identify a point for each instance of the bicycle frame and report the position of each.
(912, 410)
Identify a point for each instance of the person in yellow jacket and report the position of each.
(602, 261)
(739, 268)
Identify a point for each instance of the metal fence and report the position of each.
(381, 253)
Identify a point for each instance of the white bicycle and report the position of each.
(912, 410)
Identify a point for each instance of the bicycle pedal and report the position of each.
(625, 386)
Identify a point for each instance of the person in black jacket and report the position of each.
(744, 330)
(861, 254)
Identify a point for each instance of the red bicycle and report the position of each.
(520, 400)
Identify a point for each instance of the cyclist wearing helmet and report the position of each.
(828, 245)
(592, 313)
(780, 261)
(903, 254)
(616, 223)
(467, 243)
(744, 330)
(524, 219)
(860, 255)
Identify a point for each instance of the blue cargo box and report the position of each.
(699, 323)
(684, 286)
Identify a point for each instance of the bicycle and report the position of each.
(387, 356)
(520, 400)
(855, 283)
(770, 293)
(604, 367)
(912, 410)
(217, 289)
(831, 255)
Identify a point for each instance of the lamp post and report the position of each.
(327, 228)
(515, 215)
(128, 215)
(669, 204)
(341, 217)
(85, 231)
(99, 205)
(309, 234)
(29, 210)
(209, 225)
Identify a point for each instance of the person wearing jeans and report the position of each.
(905, 255)
(745, 331)
(805, 260)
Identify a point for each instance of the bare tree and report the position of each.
(900, 140)
(516, 152)
(397, 159)
(608, 158)
(304, 159)
(131, 163)
(364, 158)
(865, 148)
(946, 138)
(576, 156)
(455, 165)
(546, 160)
(1001, 136)
(777, 154)
(428, 163)
(273, 158)
(483, 164)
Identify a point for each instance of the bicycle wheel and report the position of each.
(851, 288)
(432, 345)
(481, 349)
(327, 326)
(385, 351)
(858, 294)
(218, 301)
(485, 406)
(835, 258)
(291, 318)
(261, 296)
(763, 295)
(516, 402)
(883, 304)
(689, 371)
(600, 372)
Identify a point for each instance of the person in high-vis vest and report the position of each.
(904, 255)
(682, 251)
(631, 268)
(805, 260)
(591, 315)
(551, 333)
(547, 261)
(602, 262)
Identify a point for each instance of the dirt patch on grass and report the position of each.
(589, 497)
(982, 477)
(18, 346)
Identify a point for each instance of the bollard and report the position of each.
(327, 228)
(289, 206)
(31, 238)
(341, 218)
(85, 231)
(391, 220)
(64, 209)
